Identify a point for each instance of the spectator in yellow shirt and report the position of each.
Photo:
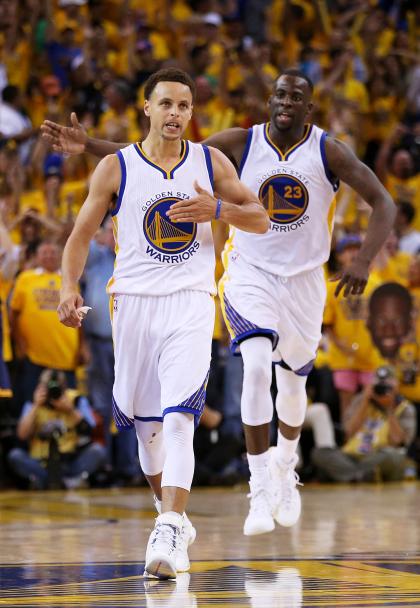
(40, 340)
(120, 121)
(352, 357)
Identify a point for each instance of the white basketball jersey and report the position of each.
(155, 256)
(297, 191)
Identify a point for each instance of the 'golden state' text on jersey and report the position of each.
(155, 256)
(297, 190)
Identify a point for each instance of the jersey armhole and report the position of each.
(122, 184)
(334, 181)
(209, 164)
(246, 151)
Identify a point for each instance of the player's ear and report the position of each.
(146, 107)
(309, 108)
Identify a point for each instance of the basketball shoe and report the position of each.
(162, 547)
(187, 537)
(287, 498)
(260, 517)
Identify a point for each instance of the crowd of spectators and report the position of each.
(93, 57)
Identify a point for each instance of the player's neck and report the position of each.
(285, 139)
(161, 150)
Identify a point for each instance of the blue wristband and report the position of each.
(218, 208)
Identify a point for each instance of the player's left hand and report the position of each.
(353, 280)
(200, 208)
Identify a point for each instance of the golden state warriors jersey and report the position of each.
(155, 256)
(297, 190)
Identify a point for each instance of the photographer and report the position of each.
(379, 426)
(57, 427)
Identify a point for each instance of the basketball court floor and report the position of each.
(355, 546)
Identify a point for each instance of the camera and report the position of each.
(383, 384)
(52, 430)
(55, 388)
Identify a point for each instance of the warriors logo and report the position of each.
(165, 236)
(284, 197)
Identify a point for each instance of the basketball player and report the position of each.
(273, 291)
(161, 290)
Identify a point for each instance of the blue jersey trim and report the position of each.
(209, 165)
(302, 371)
(122, 184)
(149, 418)
(122, 422)
(246, 151)
(253, 333)
(334, 181)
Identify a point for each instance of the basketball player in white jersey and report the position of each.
(273, 289)
(161, 290)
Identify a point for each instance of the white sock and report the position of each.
(286, 448)
(258, 466)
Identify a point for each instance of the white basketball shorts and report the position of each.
(162, 348)
(288, 310)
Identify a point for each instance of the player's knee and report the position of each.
(257, 375)
(178, 427)
(291, 401)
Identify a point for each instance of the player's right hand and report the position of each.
(68, 140)
(67, 309)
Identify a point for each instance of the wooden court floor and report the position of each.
(355, 546)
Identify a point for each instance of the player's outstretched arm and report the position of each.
(104, 184)
(345, 165)
(233, 202)
(75, 140)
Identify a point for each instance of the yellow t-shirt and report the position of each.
(5, 287)
(347, 317)
(406, 190)
(374, 432)
(36, 296)
(396, 269)
(67, 443)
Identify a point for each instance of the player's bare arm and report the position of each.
(234, 204)
(103, 186)
(347, 167)
(75, 140)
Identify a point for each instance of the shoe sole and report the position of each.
(160, 568)
(258, 531)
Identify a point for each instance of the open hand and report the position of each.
(68, 140)
(353, 280)
(201, 208)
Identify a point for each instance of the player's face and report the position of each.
(290, 103)
(389, 323)
(169, 109)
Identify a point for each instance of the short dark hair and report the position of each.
(168, 75)
(407, 209)
(393, 290)
(298, 74)
(10, 93)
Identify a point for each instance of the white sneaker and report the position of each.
(260, 517)
(285, 479)
(186, 538)
(162, 546)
